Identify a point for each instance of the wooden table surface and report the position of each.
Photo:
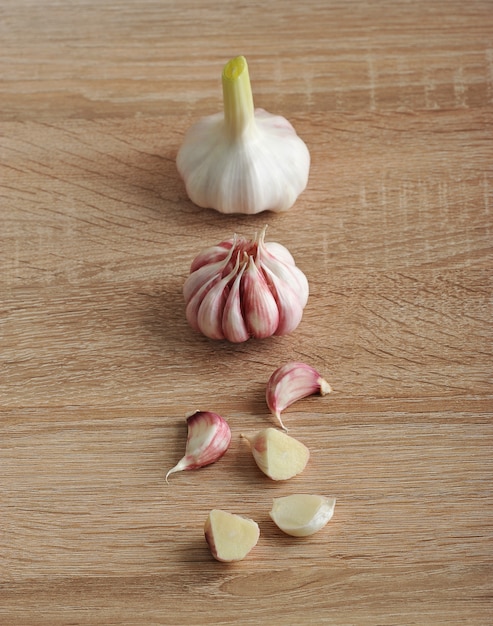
(99, 367)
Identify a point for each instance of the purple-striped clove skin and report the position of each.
(290, 383)
(244, 288)
(302, 514)
(209, 436)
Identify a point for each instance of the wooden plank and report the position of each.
(98, 366)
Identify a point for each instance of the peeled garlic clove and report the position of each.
(209, 436)
(230, 537)
(278, 455)
(290, 383)
(301, 515)
(243, 160)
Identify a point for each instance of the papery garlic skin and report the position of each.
(244, 288)
(243, 160)
(292, 382)
(209, 436)
(301, 515)
(277, 455)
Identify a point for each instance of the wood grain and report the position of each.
(98, 366)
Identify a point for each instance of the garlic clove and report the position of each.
(244, 160)
(195, 281)
(230, 537)
(293, 276)
(278, 456)
(290, 309)
(259, 305)
(277, 250)
(192, 308)
(205, 271)
(287, 272)
(233, 324)
(213, 254)
(209, 315)
(290, 383)
(209, 436)
(301, 515)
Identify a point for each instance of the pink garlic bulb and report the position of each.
(244, 288)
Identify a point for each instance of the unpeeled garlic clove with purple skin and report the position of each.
(244, 288)
(209, 436)
(275, 260)
(290, 383)
(260, 306)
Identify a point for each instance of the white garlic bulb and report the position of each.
(245, 288)
(243, 160)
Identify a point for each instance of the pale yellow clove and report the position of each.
(230, 537)
(301, 515)
(278, 456)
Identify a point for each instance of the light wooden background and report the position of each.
(98, 365)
